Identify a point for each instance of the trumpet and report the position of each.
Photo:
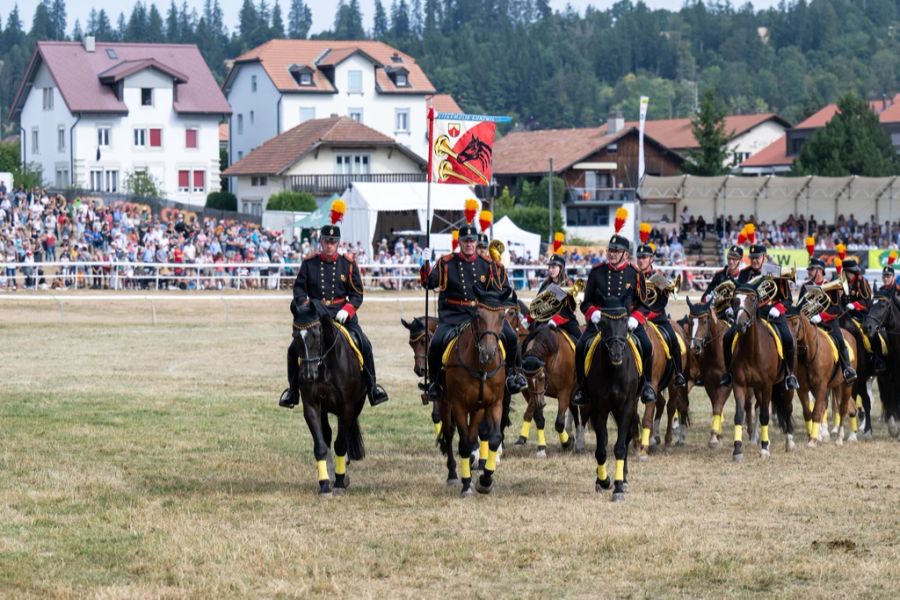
(445, 171)
(721, 295)
(553, 299)
(817, 299)
(658, 284)
(442, 148)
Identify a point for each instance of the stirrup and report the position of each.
(435, 391)
(849, 374)
(680, 381)
(578, 398)
(377, 395)
(288, 399)
(648, 394)
(791, 383)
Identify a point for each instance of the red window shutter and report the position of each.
(183, 179)
(190, 138)
(155, 138)
(199, 177)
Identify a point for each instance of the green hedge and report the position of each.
(292, 201)
(221, 201)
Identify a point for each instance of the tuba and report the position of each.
(496, 250)
(817, 300)
(553, 299)
(721, 295)
(658, 284)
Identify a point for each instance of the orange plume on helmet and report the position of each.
(454, 237)
(810, 245)
(841, 250)
(470, 210)
(338, 208)
(839, 264)
(621, 216)
(892, 257)
(751, 232)
(644, 231)
(558, 238)
(485, 218)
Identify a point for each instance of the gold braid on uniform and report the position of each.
(359, 291)
(615, 317)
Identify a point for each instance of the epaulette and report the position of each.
(351, 260)
(448, 257)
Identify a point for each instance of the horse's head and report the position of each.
(312, 320)
(797, 324)
(488, 322)
(417, 341)
(879, 314)
(614, 331)
(744, 303)
(700, 320)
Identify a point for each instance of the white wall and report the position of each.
(381, 160)
(47, 122)
(263, 103)
(756, 139)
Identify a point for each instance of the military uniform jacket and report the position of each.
(782, 298)
(719, 278)
(833, 311)
(334, 281)
(860, 295)
(565, 313)
(657, 310)
(890, 289)
(606, 283)
(455, 277)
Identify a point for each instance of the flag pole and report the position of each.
(428, 229)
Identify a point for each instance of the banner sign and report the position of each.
(787, 257)
(645, 102)
(462, 148)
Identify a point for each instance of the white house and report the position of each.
(283, 83)
(92, 113)
(324, 157)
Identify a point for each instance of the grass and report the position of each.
(141, 460)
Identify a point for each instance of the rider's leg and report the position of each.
(727, 342)
(648, 394)
(435, 353)
(880, 365)
(787, 342)
(290, 396)
(675, 351)
(584, 342)
(515, 381)
(376, 393)
(834, 330)
(571, 327)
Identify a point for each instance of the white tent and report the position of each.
(517, 240)
(399, 206)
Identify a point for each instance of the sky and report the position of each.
(323, 10)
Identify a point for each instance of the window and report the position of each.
(190, 138)
(96, 180)
(354, 82)
(184, 178)
(262, 180)
(61, 138)
(199, 181)
(253, 83)
(156, 138)
(62, 177)
(401, 119)
(306, 78)
(352, 164)
(587, 216)
(140, 138)
(111, 53)
(240, 154)
(401, 79)
(252, 207)
(35, 146)
(356, 114)
(48, 98)
(252, 117)
(240, 124)
(307, 113)
(146, 96)
(103, 136)
(612, 149)
(112, 181)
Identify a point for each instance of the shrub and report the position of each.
(221, 201)
(292, 201)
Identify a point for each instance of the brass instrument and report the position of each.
(658, 284)
(442, 148)
(553, 299)
(721, 295)
(497, 249)
(767, 288)
(445, 171)
(817, 300)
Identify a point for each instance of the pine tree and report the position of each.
(121, 28)
(41, 24)
(155, 31)
(58, 19)
(399, 20)
(136, 30)
(14, 33)
(708, 126)
(173, 33)
(186, 19)
(432, 16)
(77, 33)
(248, 21)
(348, 21)
(299, 20)
(380, 26)
(277, 29)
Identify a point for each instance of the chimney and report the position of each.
(615, 123)
(334, 115)
(89, 44)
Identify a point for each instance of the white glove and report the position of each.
(729, 311)
(816, 319)
(851, 306)
(632, 323)
(342, 316)
(426, 254)
(524, 322)
(774, 313)
(595, 318)
(552, 323)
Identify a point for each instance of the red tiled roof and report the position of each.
(528, 152)
(775, 154)
(823, 116)
(130, 67)
(277, 56)
(677, 133)
(444, 103)
(891, 114)
(281, 152)
(77, 75)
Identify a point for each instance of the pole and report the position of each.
(428, 230)
(550, 204)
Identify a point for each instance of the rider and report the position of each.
(334, 280)
(613, 279)
(656, 313)
(774, 310)
(456, 275)
(889, 281)
(858, 301)
(565, 319)
(482, 246)
(828, 319)
(731, 272)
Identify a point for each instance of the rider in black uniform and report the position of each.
(857, 304)
(335, 281)
(565, 319)
(731, 272)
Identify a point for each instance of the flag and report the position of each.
(462, 148)
(645, 102)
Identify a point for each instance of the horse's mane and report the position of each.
(542, 343)
(699, 309)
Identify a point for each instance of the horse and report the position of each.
(611, 386)
(884, 317)
(707, 361)
(419, 338)
(475, 377)
(819, 372)
(662, 378)
(757, 368)
(548, 359)
(865, 371)
(330, 382)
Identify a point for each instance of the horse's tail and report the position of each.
(356, 448)
(782, 408)
(686, 413)
(505, 421)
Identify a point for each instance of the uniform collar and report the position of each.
(736, 272)
(468, 259)
(621, 266)
(327, 258)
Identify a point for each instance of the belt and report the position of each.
(461, 302)
(335, 302)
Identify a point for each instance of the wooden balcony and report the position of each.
(336, 184)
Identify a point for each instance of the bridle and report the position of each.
(617, 342)
(479, 336)
(314, 360)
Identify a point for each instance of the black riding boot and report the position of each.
(675, 351)
(581, 347)
(844, 357)
(728, 340)
(290, 396)
(787, 342)
(648, 394)
(879, 364)
(435, 353)
(376, 393)
(515, 381)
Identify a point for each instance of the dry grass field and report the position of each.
(151, 460)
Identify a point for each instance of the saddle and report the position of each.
(867, 343)
(633, 343)
(772, 331)
(454, 336)
(834, 350)
(354, 343)
(663, 337)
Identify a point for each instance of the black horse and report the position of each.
(884, 318)
(330, 381)
(612, 386)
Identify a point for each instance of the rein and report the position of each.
(317, 359)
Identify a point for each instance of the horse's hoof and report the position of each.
(618, 497)
(465, 494)
(521, 441)
(452, 481)
(542, 453)
(738, 457)
(866, 435)
(812, 444)
(339, 491)
(481, 488)
(601, 486)
(713, 443)
(764, 453)
(839, 441)
(852, 438)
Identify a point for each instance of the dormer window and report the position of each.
(303, 75)
(401, 80)
(400, 76)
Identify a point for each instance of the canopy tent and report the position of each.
(517, 240)
(376, 210)
(315, 219)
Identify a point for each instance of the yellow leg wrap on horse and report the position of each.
(340, 465)
(837, 419)
(564, 437)
(854, 424)
(858, 403)
(620, 470)
(717, 423)
(809, 427)
(677, 415)
(812, 405)
(483, 450)
(764, 433)
(601, 472)
(738, 433)
(645, 437)
(542, 438)
(491, 464)
(322, 467)
(814, 430)
(465, 469)
(526, 429)
(437, 428)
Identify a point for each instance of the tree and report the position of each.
(155, 26)
(399, 20)
(299, 20)
(141, 184)
(708, 126)
(380, 26)
(348, 21)
(173, 32)
(58, 19)
(41, 25)
(277, 29)
(293, 201)
(852, 143)
(14, 33)
(77, 33)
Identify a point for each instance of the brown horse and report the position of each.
(662, 377)
(549, 362)
(757, 368)
(819, 372)
(707, 362)
(419, 338)
(475, 377)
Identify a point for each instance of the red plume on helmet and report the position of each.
(841, 250)
(454, 235)
(644, 232)
(810, 245)
(470, 210)
(338, 208)
(751, 233)
(485, 219)
(892, 257)
(839, 264)
(621, 217)
(558, 238)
